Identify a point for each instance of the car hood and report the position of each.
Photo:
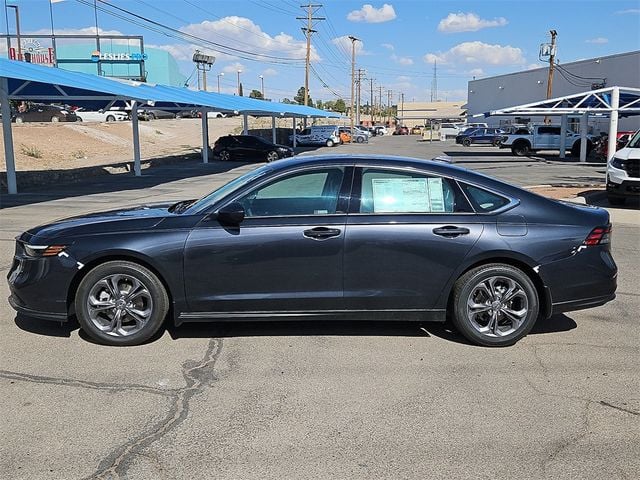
(628, 154)
(126, 219)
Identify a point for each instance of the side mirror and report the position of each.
(231, 214)
(101, 110)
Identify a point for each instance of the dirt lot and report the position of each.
(41, 146)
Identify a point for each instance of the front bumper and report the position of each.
(38, 287)
(625, 188)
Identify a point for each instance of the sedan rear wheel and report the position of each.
(121, 303)
(495, 305)
(55, 119)
(466, 142)
(272, 156)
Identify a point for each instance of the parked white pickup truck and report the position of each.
(543, 137)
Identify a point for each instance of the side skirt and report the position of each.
(408, 315)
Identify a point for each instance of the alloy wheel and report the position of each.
(497, 306)
(119, 305)
(272, 156)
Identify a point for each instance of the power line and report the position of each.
(183, 35)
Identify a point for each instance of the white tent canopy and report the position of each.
(612, 102)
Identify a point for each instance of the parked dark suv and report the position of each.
(45, 113)
(235, 147)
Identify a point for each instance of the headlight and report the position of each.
(38, 251)
(617, 163)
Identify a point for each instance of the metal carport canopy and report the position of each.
(611, 101)
(25, 81)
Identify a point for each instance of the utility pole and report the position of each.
(372, 106)
(434, 82)
(552, 58)
(358, 90)
(389, 96)
(353, 73)
(402, 107)
(308, 30)
(380, 103)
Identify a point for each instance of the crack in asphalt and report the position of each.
(564, 444)
(622, 409)
(69, 382)
(197, 377)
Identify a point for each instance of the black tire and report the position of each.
(520, 149)
(330, 143)
(575, 148)
(272, 156)
(466, 142)
(496, 142)
(55, 119)
(19, 120)
(614, 200)
(79, 119)
(359, 140)
(157, 301)
(111, 118)
(151, 116)
(225, 155)
(467, 285)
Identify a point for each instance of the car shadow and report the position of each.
(294, 328)
(46, 328)
(88, 180)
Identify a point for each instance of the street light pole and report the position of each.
(17, 30)
(353, 75)
(262, 85)
(221, 74)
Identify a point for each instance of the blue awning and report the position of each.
(45, 84)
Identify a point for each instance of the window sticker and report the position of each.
(400, 195)
(436, 195)
(420, 195)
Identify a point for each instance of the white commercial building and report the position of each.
(494, 93)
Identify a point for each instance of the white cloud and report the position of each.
(476, 72)
(478, 52)
(344, 43)
(629, 11)
(234, 67)
(402, 60)
(241, 33)
(468, 22)
(270, 72)
(388, 46)
(533, 66)
(598, 40)
(370, 14)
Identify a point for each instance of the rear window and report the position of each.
(483, 200)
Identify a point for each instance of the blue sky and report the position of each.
(399, 39)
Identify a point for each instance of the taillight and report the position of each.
(598, 236)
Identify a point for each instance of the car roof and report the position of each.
(436, 166)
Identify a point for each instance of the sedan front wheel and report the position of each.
(121, 303)
(495, 305)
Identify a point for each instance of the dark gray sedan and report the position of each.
(367, 238)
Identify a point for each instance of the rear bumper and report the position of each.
(581, 304)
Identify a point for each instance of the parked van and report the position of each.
(318, 135)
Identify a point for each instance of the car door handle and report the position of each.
(320, 233)
(451, 231)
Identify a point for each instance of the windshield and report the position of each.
(635, 141)
(216, 195)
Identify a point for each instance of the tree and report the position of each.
(256, 94)
(240, 90)
(299, 98)
(286, 100)
(340, 106)
(319, 104)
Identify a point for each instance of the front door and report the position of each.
(287, 255)
(408, 234)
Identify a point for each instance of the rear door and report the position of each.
(407, 231)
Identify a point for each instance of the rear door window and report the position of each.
(395, 191)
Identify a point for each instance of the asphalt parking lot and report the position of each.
(322, 400)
